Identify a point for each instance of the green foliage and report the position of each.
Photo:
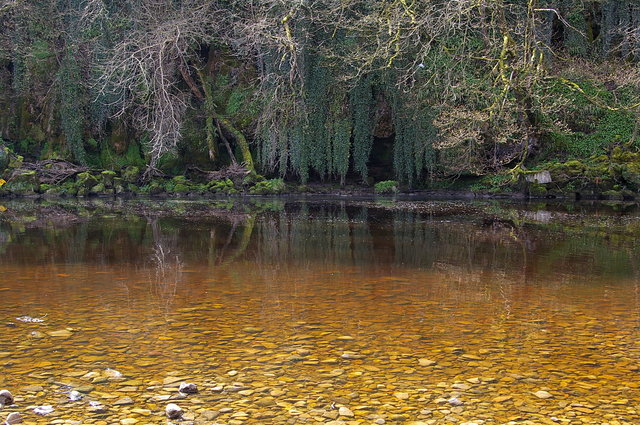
(225, 186)
(587, 127)
(268, 187)
(318, 101)
(494, 183)
(414, 138)
(71, 108)
(361, 103)
(387, 186)
(131, 157)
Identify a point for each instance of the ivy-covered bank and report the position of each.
(533, 98)
(611, 176)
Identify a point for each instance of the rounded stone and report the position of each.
(6, 398)
(173, 411)
(188, 388)
(13, 418)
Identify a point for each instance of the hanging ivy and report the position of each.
(362, 106)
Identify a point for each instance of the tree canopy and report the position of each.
(324, 89)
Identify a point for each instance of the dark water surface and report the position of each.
(309, 312)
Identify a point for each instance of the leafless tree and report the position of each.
(143, 69)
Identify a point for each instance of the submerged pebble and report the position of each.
(13, 418)
(43, 410)
(188, 388)
(173, 411)
(75, 395)
(6, 398)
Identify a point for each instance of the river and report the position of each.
(291, 312)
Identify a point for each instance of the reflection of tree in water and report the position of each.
(328, 234)
(166, 274)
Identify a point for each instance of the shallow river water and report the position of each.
(336, 312)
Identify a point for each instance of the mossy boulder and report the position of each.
(132, 188)
(268, 187)
(86, 181)
(15, 161)
(155, 188)
(222, 186)
(179, 185)
(98, 189)
(251, 179)
(631, 174)
(23, 182)
(179, 180)
(537, 190)
(180, 188)
(574, 168)
(107, 177)
(131, 174)
(67, 188)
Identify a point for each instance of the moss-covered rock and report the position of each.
(86, 181)
(631, 174)
(268, 187)
(155, 188)
(132, 188)
(180, 188)
(107, 177)
(222, 186)
(251, 179)
(15, 161)
(23, 182)
(131, 174)
(68, 188)
(98, 189)
(537, 190)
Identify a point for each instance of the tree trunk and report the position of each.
(247, 159)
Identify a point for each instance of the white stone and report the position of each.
(173, 411)
(345, 411)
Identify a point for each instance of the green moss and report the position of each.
(131, 174)
(537, 190)
(69, 189)
(86, 180)
(132, 188)
(268, 187)
(23, 182)
(98, 189)
(493, 183)
(107, 178)
(180, 188)
(222, 186)
(387, 186)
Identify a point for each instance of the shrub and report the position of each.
(387, 186)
